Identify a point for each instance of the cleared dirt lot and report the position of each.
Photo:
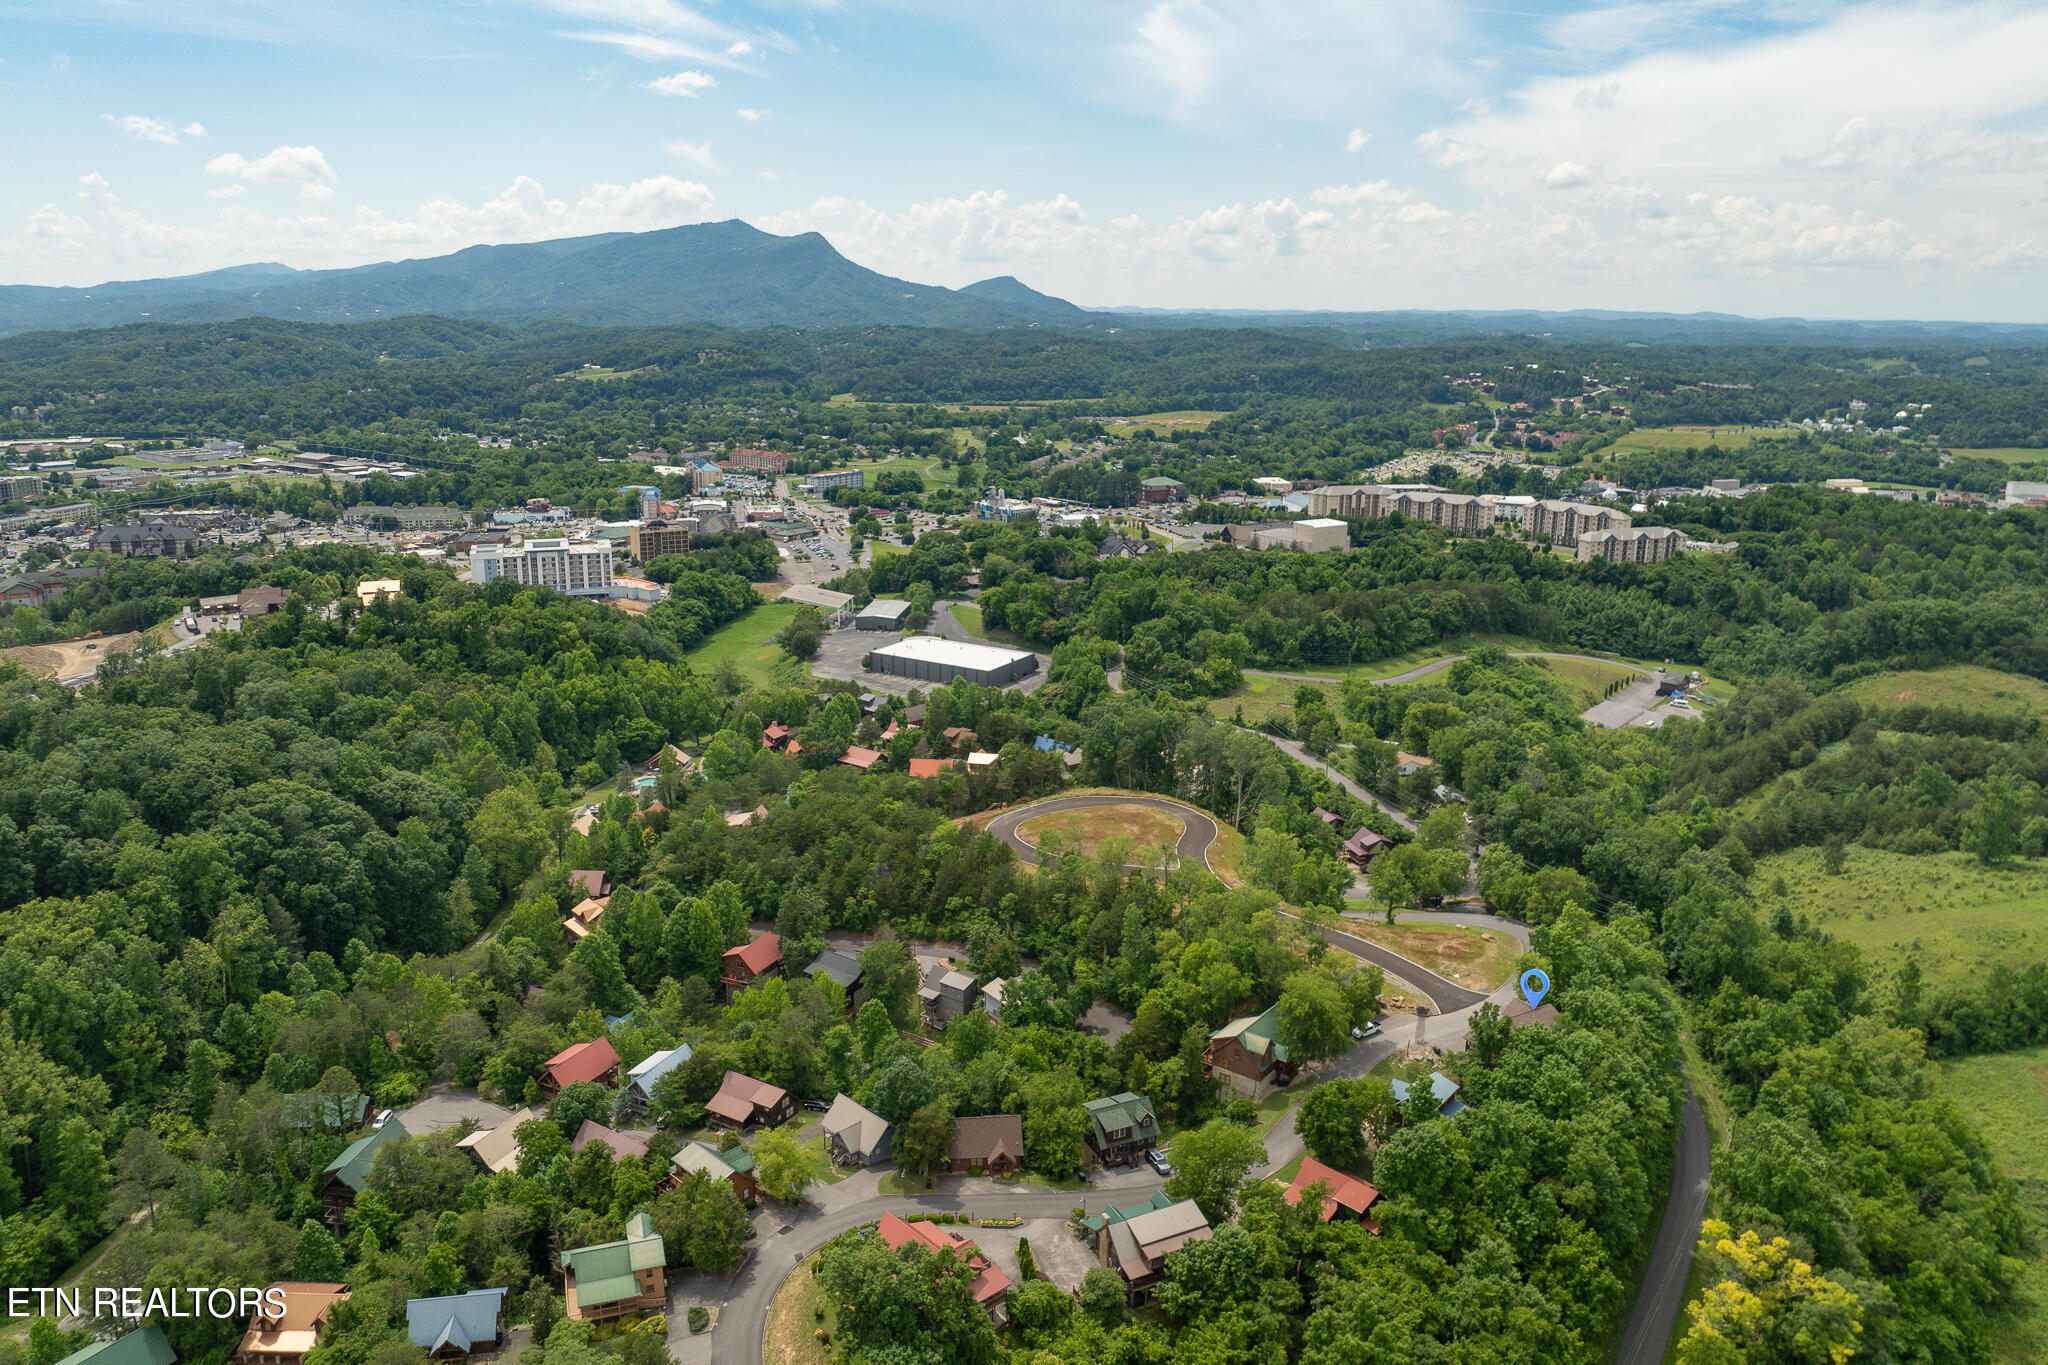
(68, 658)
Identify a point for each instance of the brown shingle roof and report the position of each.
(739, 1097)
(985, 1137)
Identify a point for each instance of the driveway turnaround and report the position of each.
(1197, 833)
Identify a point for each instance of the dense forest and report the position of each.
(330, 853)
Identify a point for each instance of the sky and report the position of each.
(1767, 157)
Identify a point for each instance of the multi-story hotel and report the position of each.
(579, 568)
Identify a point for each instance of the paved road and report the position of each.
(1198, 831)
(1306, 759)
(1663, 1289)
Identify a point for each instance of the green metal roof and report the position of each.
(1124, 1215)
(1113, 1113)
(144, 1346)
(352, 1167)
(607, 1272)
(696, 1155)
(1260, 1033)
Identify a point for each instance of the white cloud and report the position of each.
(280, 165)
(751, 115)
(688, 84)
(1357, 140)
(227, 191)
(663, 30)
(1219, 62)
(698, 154)
(316, 194)
(1371, 192)
(103, 238)
(148, 129)
(1567, 175)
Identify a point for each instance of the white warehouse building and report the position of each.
(578, 568)
(931, 659)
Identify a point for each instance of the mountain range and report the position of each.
(725, 273)
(735, 275)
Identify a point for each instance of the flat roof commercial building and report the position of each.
(833, 478)
(883, 614)
(930, 659)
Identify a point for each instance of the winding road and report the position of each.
(789, 1236)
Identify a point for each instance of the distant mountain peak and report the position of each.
(729, 273)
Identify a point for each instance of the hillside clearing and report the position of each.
(1957, 917)
(2007, 1098)
(1964, 686)
(749, 642)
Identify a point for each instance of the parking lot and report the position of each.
(1637, 704)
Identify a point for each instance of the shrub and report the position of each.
(700, 1317)
(1027, 1265)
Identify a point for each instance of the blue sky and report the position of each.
(1769, 157)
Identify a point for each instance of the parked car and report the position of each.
(817, 1106)
(1367, 1030)
(383, 1117)
(1156, 1158)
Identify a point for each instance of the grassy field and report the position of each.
(2006, 454)
(1586, 681)
(1478, 958)
(969, 617)
(1957, 917)
(1163, 422)
(749, 642)
(1261, 699)
(1688, 437)
(2007, 1097)
(801, 1309)
(1144, 827)
(1414, 658)
(1964, 686)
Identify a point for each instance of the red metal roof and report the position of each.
(583, 1062)
(1346, 1191)
(897, 1234)
(758, 956)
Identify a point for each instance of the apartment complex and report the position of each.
(658, 538)
(580, 568)
(14, 486)
(1565, 522)
(759, 460)
(1632, 545)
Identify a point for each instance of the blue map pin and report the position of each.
(1535, 985)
